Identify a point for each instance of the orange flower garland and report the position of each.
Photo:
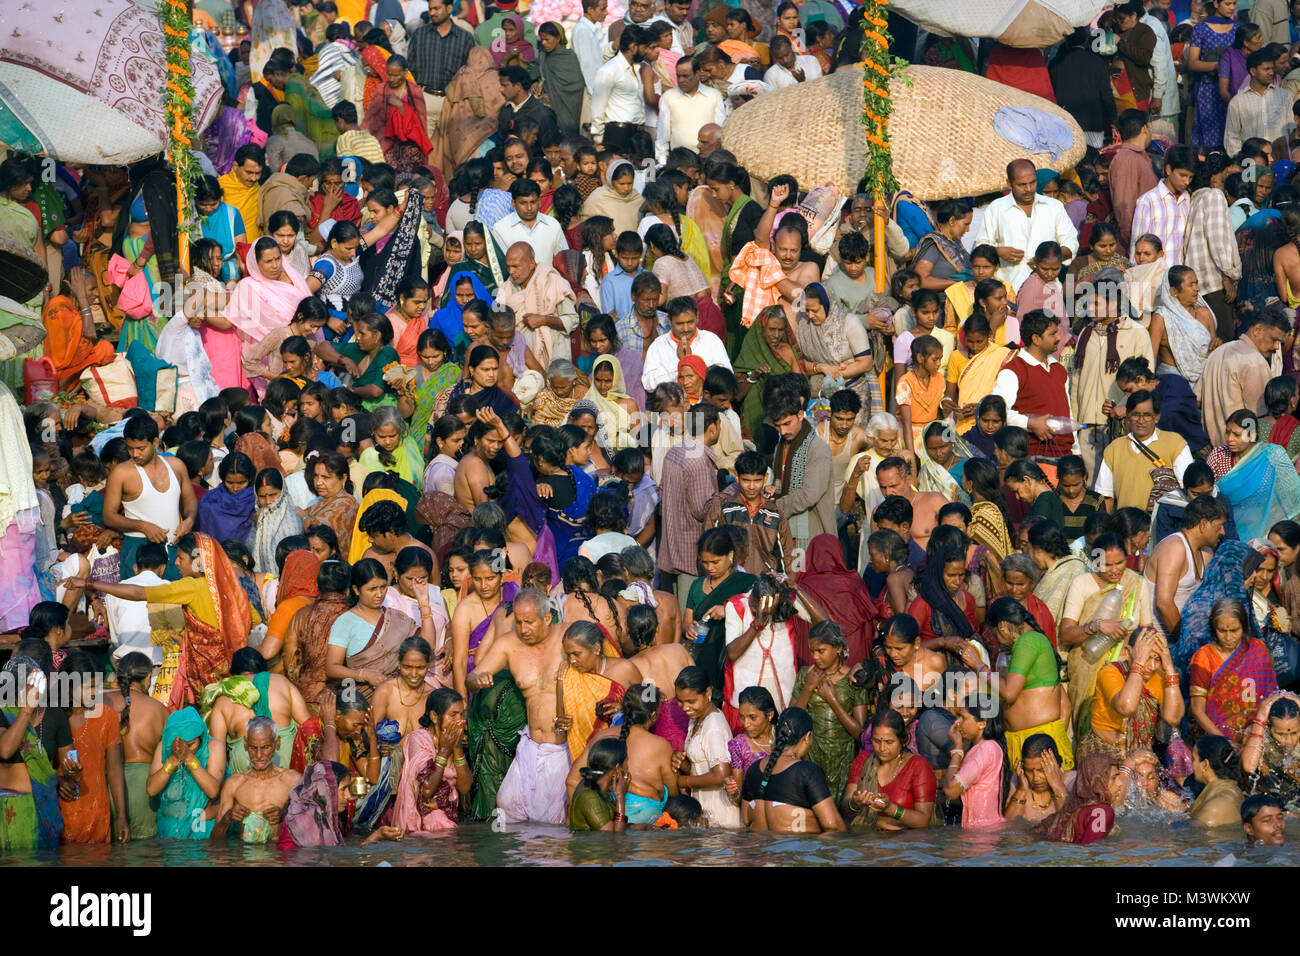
(178, 102)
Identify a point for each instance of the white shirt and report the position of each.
(1008, 386)
(1162, 68)
(661, 358)
(128, 621)
(1005, 224)
(544, 235)
(681, 115)
(617, 96)
(1105, 483)
(591, 44)
(778, 76)
(1256, 114)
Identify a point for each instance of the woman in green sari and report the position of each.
(310, 113)
(768, 349)
(839, 709)
(483, 258)
(418, 393)
(366, 357)
(29, 788)
(496, 716)
(705, 619)
(179, 774)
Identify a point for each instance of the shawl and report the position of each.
(615, 424)
(339, 513)
(1112, 350)
(1263, 488)
(503, 51)
(581, 694)
(312, 816)
(182, 346)
(361, 540)
(757, 271)
(313, 623)
(333, 57)
(755, 351)
(260, 450)
(399, 257)
(407, 464)
(275, 523)
(375, 57)
(183, 800)
(841, 594)
(1091, 787)
(989, 528)
(696, 364)
(419, 750)
(224, 138)
(273, 27)
(789, 459)
(550, 409)
(227, 517)
(473, 101)
(448, 318)
(396, 125)
(491, 206)
(1189, 340)
(1053, 587)
(260, 305)
(605, 201)
(954, 253)
(563, 85)
(1083, 674)
(206, 650)
(1143, 285)
(1222, 578)
(1247, 676)
(543, 294)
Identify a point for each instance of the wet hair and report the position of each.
(131, 669)
(1256, 802)
(1011, 611)
(895, 509)
(791, 727)
(640, 707)
(642, 625)
(606, 513)
(944, 611)
(1217, 751)
(1202, 508)
(1279, 393)
(890, 543)
(248, 660)
(413, 557)
(830, 633)
(415, 643)
(578, 576)
(603, 756)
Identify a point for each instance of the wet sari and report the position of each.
(419, 751)
(1235, 686)
(508, 591)
(496, 716)
(1139, 729)
(583, 694)
(1083, 675)
(833, 748)
(1091, 792)
(312, 816)
(182, 802)
(46, 826)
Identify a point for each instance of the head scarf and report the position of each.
(375, 57)
(225, 137)
(840, 592)
(282, 116)
(301, 569)
(1189, 340)
(695, 363)
(614, 167)
(227, 516)
(738, 51)
(1045, 176)
(502, 51)
(1091, 787)
(274, 523)
(260, 306)
(312, 816)
(473, 101)
(361, 540)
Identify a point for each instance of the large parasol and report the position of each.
(1021, 23)
(952, 133)
(82, 80)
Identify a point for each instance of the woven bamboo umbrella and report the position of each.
(1020, 23)
(949, 132)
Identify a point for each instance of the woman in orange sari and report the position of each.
(97, 768)
(218, 616)
(297, 589)
(70, 341)
(591, 685)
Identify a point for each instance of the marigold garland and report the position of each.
(878, 70)
(178, 103)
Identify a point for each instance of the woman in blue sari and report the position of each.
(220, 222)
(179, 776)
(559, 455)
(226, 511)
(463, 287)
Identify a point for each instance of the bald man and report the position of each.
(543, 304)
(1018, 222)
(710, 139)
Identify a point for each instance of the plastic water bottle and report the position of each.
(1108, 610)
(1062, 425)
(701, 631)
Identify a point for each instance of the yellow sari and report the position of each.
(1083, 675)
(580, 693)
(361, 540)
(245, 199)
(613, 419)
(976, 379)
(693, 245)
(987, 527)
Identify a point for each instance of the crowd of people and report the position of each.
(506, 452)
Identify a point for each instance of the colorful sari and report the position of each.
(1139, 729)
(754, 351)
(419, 750)
(711, 652)
(496, 716)
(307, 668)
(508, 591)
(1091, 792)
(833, 748)
(44, 825)
(1083, 675)
(427, 388)
(975, 381)
(183, 802)
(312, 816)
(380, 652)
(1263, 488)
(841, 593)
(66, 344)
(989, 528)
(274, 523)
(408, 462)
(142, 329)
(206, 650)
(260, 305)
(310, 114)
(582, 694)
(339, 514)
(1235, 686)
(1222, 578)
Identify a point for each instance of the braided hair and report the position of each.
(640, 707)
(131, 668)
(791, 727)
(578, 576)
(604, 756)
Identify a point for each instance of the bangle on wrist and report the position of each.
(898, 812)
(440, 761)
(956, 752)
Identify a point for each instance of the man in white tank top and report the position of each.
(1176, 567)
(148, 498)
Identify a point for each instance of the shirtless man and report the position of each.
(228, 721)
(844, 438)
(649, 757)
(474, 474)
(532, 648)
(385, 523)
(1175, 568)
(787, 246)
(640, 568)
(894, 476)
(161, 512)
(257, 798)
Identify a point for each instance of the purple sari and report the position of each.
(508, 592)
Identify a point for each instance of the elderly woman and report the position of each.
(562, 391)
(836, 351)
(1230, 673)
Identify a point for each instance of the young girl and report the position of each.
(707, 755)
(448, 436)
(1134, 526)
(455, 577)
(838, 707)
(226, 511)
(920, 390)
(959, 298)
(281, 404)
(314, 403)
(583, 415)
(343, 403)
(978, 774)
(253, 426)
(337, 274)
(753, 743)
(394, 449)
(1042, 290)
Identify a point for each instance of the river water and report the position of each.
(1140, 842)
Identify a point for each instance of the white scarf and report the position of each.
(1189, 340)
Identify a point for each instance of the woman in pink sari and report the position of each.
(435, 773)
(262, 302)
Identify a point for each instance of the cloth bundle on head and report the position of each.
(820, 209)
(737, 51)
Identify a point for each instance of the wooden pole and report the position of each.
(878, 244)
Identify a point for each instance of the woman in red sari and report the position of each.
(839, 593)
(396, 117)
(1230, 674)
(1088, 814)
(218, 616)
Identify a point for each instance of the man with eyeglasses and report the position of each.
(1124, 475)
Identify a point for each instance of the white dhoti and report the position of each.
(533, 790)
